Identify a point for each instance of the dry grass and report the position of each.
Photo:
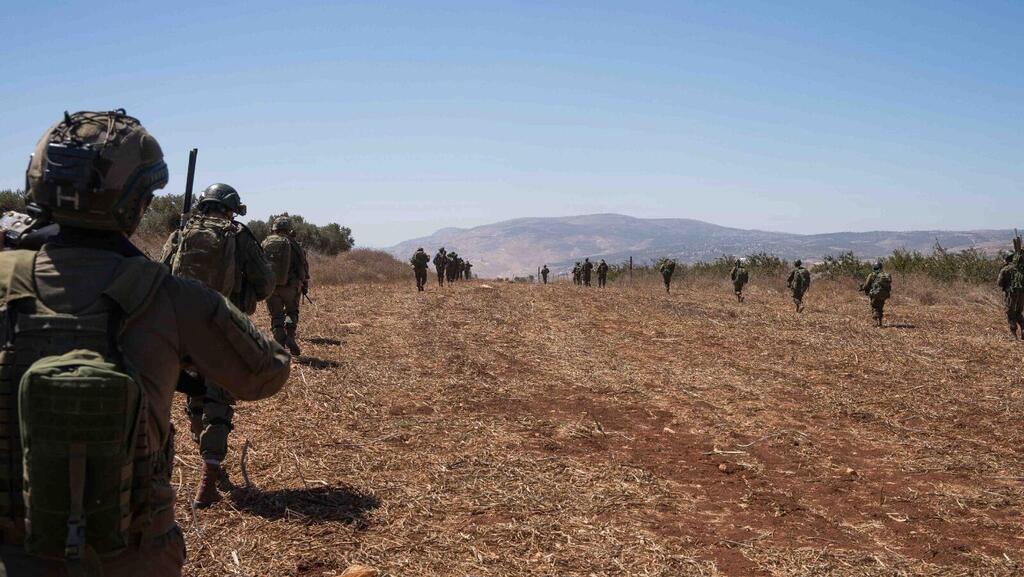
(524, 429)
(358, 265)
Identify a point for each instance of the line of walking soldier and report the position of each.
(583, 272)
(450, 267)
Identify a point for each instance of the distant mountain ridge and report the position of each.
(519, 246)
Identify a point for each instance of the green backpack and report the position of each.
(802, 280)
(278, 251)
(76, 478)
(1017, 276)
(882, 286)
(206, 253)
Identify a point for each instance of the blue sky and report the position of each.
(398, 118)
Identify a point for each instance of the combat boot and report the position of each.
(206, 492)
(291, 343)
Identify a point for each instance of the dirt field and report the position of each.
(530, 430)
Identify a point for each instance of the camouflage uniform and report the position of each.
(586, 271)
(469, 270)
(211, 413)
(602, 274)
(1012, 299)
(797, 286)
(452, 267)
(739, 280)
(577, 274)
(420, 261)
(544, 272)
(875, 296)
(667, 269)
(440, 265)
(283, 303)
(169, 324)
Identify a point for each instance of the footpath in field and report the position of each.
(551, 430)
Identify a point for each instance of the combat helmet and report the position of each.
(798, 262)
(877, 266)
(1008, 258)
(282, 224)
(95, 170)
(224, 195)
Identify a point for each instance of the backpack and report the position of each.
(81, 474)
(278, 251)
(882, 286)
(1017, 276)
(741, 276)
(802, 279)
(206, 253)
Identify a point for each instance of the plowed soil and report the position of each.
(552, 430)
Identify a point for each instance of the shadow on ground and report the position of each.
(315, 362)
(313, 505)
(324, 341)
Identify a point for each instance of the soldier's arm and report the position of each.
(222, 344)
(1004, 279)
(170, 247)
(257, 269)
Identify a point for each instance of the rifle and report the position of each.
(309, 300)
(186, 206)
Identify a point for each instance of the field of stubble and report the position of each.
(549, 430)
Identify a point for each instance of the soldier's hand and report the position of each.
(305, 288)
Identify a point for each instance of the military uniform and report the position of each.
(667, 269)
(577, 274)
(469, 270)
(283, 303)
(211, 413)
(544, 272)
(452, 267)
(420, 261)
(739, 280)
(441, 265)
(166, 324)
(873, 288)
(586, 271)
(798, 282)
(1013, 300)
(602, 274)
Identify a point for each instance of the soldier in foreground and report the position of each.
(222, 254)
(1011, 282)
(798, 282)
(291, 283)
(452, 267)
(739, 278)
(441, 265)
(577, 273)
(420, 262)
(587, 271)
(602, 274)
(544, 272)
(96, 315)
(877, 287)
(667, 269)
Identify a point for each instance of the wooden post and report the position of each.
(631, 271)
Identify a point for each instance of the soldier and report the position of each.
(739, 278)
(291, 277)
(440, 265)
(667, 269)
(89, 305)
(587, 271)
(469, 270)
(577, 273)
(420, 262)
(452, 267)
(798, 282)
(1011, 281)
(602, 274)
(223, 254)
(877, 287)
(544, 272)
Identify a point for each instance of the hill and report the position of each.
(519, 246)
(550, 430)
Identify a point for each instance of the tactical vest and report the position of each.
(206, 252)
(1017, 274)
(278, 250)
(882, 286)
(76, 464)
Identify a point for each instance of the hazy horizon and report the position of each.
(402, 118)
